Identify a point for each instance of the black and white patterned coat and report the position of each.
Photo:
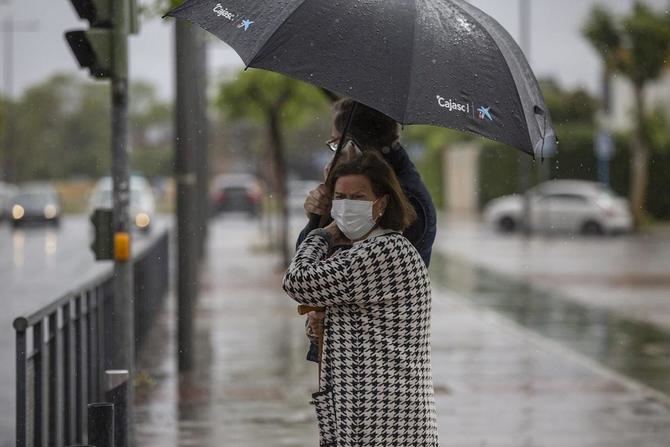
(376, 386)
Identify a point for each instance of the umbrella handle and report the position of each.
(303, 309)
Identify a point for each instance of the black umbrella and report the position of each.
(438, 62)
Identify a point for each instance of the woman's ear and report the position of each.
(383, 203)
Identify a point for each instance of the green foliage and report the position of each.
(63, 129)
(636, 45)
(646, 43)
(576, 106)
(255, 94)
(656, 127)
(601, 30)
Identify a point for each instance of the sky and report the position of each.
(557, 50)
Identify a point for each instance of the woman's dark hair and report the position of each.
(370, 128)
(399, 212)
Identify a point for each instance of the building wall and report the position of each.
(461, 171)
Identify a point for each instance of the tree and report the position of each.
(62, 130)
(637, 46)
(277, 103)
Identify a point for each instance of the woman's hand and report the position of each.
(318, 202)
(338, 237)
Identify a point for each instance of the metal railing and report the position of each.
(61, 351)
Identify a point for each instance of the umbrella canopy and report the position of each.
(437, 62)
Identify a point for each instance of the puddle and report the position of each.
(635, 349)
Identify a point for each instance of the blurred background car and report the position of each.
(7, 192)
(236, 193)
(35, 203)
(563, 206)
(142, 201)
(298, 190)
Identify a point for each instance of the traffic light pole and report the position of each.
(103, 50)
(186, 155)
(122, 353)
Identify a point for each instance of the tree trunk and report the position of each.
(639, 162)
(277, 146)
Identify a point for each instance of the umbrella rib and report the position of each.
(410, 78)
(261, 49)
(459, 4)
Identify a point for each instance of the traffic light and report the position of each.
(93, 50)
(93, 47)
(103, 234)
(97, 12)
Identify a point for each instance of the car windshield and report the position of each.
(34, 199)
(103, 198)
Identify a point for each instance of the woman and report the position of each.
(371, 130)
(376, 385)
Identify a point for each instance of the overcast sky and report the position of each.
(558, 49)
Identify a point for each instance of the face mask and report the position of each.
(353, 217)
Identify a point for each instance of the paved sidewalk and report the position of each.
(496, 384)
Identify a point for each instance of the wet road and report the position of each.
(627, 275)
(499, 382)
(39, 264)
(606, 298)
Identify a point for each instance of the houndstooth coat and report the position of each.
(376, 387)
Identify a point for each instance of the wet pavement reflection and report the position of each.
(251, 383)
(637, 349)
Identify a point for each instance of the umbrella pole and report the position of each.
(323, 221)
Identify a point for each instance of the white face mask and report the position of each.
(353, 217)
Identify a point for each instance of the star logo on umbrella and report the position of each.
(485, 113)
(246, 23)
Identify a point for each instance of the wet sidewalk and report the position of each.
(497, 384)
(627, 275)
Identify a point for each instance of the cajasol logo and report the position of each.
(220, 11)
(453, 106)
(485, 113)
(246, 23)
(225, 13)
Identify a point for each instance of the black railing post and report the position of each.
(81, 377)
(116, 392)
(101, 425)
(41, 377)
(69, 399)
(62, 357)
(20, 326)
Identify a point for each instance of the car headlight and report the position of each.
(142, 220)
(18, 212)
(50, 211)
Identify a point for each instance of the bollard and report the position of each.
(101, 425)
(116, 392)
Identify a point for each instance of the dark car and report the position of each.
(7, 192)
(36, 204)
(236, 193)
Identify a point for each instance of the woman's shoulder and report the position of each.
(394, 241)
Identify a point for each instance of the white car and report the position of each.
(142, 202)
(565, 206)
